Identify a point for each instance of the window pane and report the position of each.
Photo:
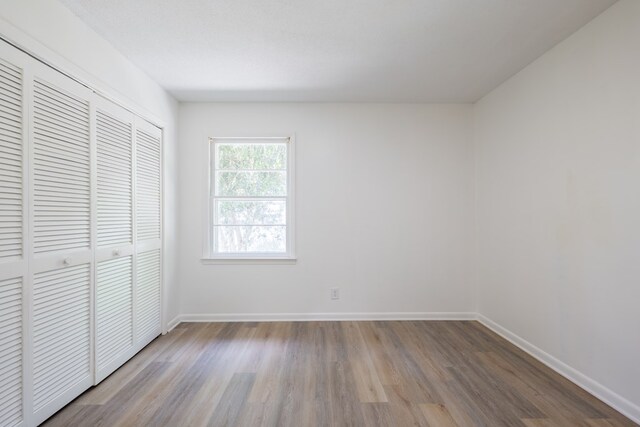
(244, 238)
(263, 212)
(251, 156)
(251, 183)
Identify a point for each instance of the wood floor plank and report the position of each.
(539, 422)
(368, 384)
(232, 401)
(506, 393)
(218, 372)
(294, 387)
(601, 422)
(271, 364)
(299, 374)
(387, 370)
(201, 390)
(422, 350)
(260, 343)
(345, 410)
(491, 409)
(464, 413)
(257, 414)
(437, 415)
(403, 411)
(377, 414)
(420, 388)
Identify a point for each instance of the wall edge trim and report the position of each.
(173, 323)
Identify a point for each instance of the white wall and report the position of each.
(384, 210)
(558, 190)
(48, 29)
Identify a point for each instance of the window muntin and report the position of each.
(250, 198)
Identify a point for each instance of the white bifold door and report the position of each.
(61, 259)
(148, 190)
(80, 238)
(114, 252)
(128, 235)
(13, 237)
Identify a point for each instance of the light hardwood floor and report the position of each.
(410, 373)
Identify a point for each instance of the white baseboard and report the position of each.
(306, 317)
(593, 387)
(172, 324)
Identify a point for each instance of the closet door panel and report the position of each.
(148, 295)
(13, 207)
(148, 230)
(114, 314)
(114, 238)
(61, 170)
(115, 179)
(148, 184)
(61, 256)
(61, 336)
(11, 162)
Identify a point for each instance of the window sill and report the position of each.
(249, 261)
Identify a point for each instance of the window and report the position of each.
(250, 198)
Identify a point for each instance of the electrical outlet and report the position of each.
(335, 293)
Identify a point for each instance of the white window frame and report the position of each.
(209, 255)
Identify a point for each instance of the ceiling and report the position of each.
(334, 50)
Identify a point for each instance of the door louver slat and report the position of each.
(62, 193)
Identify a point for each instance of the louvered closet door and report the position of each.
(114, 254)
(148, 190)
(61, 237)
(13, 273)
